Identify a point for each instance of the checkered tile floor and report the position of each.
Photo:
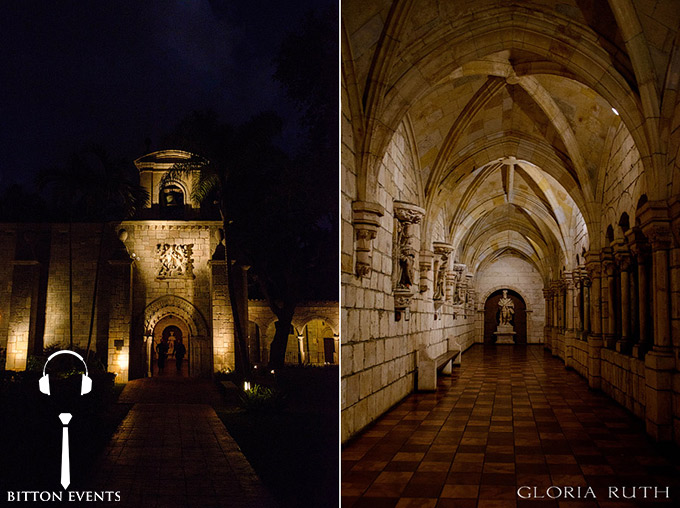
(512, 416)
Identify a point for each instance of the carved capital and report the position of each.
(623, 260)
(442, 248)
(408, 212)
(659, 236)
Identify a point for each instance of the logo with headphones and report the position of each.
(86, 384)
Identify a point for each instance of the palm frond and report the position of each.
(204, 184)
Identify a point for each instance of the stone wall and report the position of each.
(8, 242)
(379, 349)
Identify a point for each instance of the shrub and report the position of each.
(260, 399)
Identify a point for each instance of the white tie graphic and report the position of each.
(65, 463)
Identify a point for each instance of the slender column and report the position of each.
(640, 250)
(548, 317)
(569, 315)
(595, 342)
(610, 322)
(624, 262)
(586, 305)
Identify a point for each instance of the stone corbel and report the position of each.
(366, 221)
(426, 265)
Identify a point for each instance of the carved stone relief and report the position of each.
(175, 261)
(405, 277)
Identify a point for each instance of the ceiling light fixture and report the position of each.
(615, 112)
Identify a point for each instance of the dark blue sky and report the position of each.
(117, 72)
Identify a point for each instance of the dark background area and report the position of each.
(124, 73)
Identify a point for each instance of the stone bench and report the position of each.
(428, 367)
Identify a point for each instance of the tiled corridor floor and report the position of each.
(511, 416)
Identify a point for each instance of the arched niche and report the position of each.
(491, 315)
(174, 310)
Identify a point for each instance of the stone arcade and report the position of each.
(527, 147)
(163, 275)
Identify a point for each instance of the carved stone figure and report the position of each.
(440, 280)
(406, 256)
(507, 309)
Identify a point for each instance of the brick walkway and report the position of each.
(169, 455)
(510, 417)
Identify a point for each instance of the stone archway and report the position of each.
(174, 310)
(491, 315)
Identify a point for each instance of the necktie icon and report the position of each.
(65, 462)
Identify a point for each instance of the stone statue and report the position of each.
(440, 281)
(406, 258)
(507, 309)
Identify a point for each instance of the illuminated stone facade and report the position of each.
(165, 269)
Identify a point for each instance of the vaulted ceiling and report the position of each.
(517, 113)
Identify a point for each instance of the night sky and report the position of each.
(118, 72)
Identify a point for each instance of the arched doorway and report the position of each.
(168, 334)
(318, 342)
(171, 317)
(491, 316)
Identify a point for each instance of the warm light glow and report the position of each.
(615, 112)
(122, 361)
(246, 386)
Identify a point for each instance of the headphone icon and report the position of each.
(44, 382)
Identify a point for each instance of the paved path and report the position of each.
(168, 455)
(511, 416)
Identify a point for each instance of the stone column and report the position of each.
(585, 281)
(624, 262)
(640, 250)
(548, 317)
(366, 221)
(224, 338)
(595, 341)
(610, 321)
(660, 362)
(569, 332)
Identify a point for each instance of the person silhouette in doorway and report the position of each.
(162, 350)
(179, 353)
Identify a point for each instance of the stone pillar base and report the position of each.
(659, 365)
